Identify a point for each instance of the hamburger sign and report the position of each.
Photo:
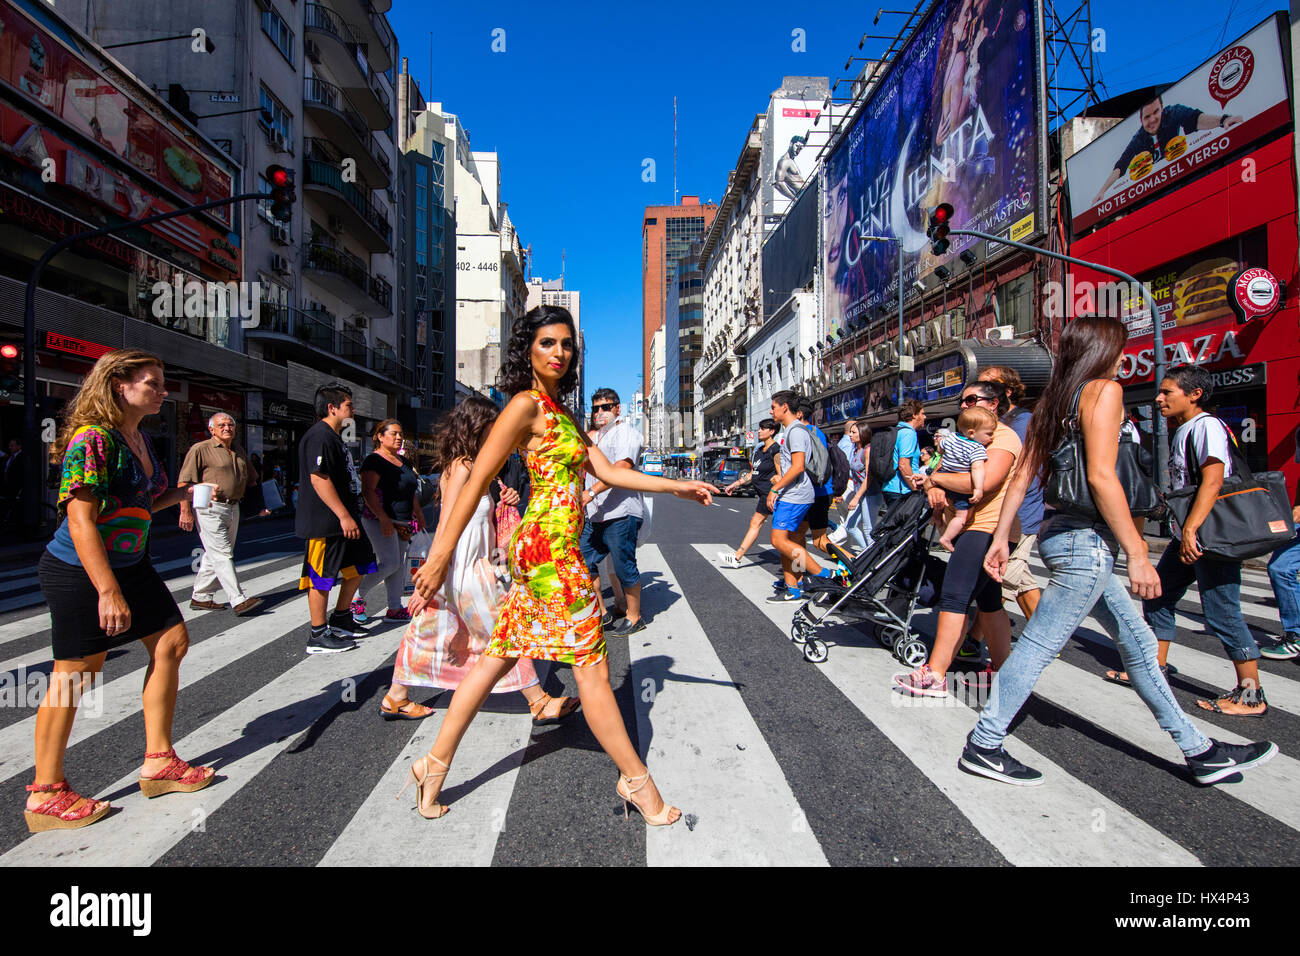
(1230, 101)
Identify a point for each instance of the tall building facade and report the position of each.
(683, 341)
(309, 86)
(553, 292)
(666, 234)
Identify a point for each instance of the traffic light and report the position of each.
(10, 367)
(940, 223)
(282, 192)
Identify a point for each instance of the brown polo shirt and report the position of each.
(228, 469)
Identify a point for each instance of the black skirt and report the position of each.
(74, 606)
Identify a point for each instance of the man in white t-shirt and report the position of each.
(614, 519)
(1200, 454)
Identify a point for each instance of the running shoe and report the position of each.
(324, 640)
(922, 682)
(1283, 649)
(358, 609)
(1224, 760)
(397, 614)
(970, 650)
(779, 584)
(727, 559)
(343, 623)
(998, 765)
(786, 596)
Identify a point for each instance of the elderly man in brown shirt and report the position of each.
(221, 462)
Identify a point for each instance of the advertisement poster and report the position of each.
(787, 162)
(956, 120)
(1232, 99)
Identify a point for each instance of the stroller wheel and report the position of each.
(912, 652)
(815, 651)
(799, 630)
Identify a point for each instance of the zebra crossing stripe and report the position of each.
(121, 697)
(252, 586)
(29, 624)
(477, 790)
(1039, 826)
(706, 746)
(280, 711)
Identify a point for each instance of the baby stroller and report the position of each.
(883, 588)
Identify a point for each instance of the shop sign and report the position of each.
(844, 405)
(1246, 376)
(1210, 349)
(66, 343)
(1256, 294)
(277, 410)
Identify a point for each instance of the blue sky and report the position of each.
(581, 97)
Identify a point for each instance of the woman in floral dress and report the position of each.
(552, 611)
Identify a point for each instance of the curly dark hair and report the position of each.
(461, 432)
(516, 372)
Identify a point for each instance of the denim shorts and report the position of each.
(616, 539)
(787, 516)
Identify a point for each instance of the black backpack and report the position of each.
(839, 470)
(881, 467)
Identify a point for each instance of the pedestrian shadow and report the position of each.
(651, 674)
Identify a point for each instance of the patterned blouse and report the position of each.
(100, 460)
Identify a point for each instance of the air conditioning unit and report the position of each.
(1004, 332)
(312, 51)
(360, 321)
(278, 141)
(280, 265)
(280, 234)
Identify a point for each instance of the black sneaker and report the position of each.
(786, 596)
(997, 765)
(1224, 760)
(341, 622)
(325, 640)
(779, 584)
(971, 650)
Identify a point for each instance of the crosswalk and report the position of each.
(774, 761)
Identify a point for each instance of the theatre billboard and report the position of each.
(1234, 98)
(958, 118)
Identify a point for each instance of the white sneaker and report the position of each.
(838, 536)
(728, 559)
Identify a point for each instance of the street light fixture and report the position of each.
(208, 45)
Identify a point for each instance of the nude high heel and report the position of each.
(420, 780)
(627, 794)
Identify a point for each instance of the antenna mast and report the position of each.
(674, 151)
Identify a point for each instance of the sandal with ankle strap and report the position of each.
(659, 819)
(1247, 697)
(176, 777)
(567, 706)
(56, 813)
(400, 713)
(420, 780)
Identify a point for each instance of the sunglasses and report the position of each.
(970, 400)
(602, 408)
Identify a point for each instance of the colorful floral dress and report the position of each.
(552, 611)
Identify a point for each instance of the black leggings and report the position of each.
(966, 580)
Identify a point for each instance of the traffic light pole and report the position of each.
(31, 430)
(1158, 343)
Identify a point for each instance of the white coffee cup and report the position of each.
(203, 495)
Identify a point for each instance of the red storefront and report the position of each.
(1186, 244)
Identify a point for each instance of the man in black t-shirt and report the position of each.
(329, 518)
(1160, 124)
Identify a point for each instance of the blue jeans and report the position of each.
(1220, 585)
(1284, 573)
(1081, 560)
(617, 539)
(859, 523)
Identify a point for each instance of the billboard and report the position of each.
(787, 159)
(1230, 100)
(957, 119)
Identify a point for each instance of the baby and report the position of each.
(964, 452)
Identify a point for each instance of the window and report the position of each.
(281, 120)
(1016, 304)
(273, 26)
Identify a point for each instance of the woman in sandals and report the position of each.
(552, 611)
(1080, 555)
(447, 634)
(101, 586)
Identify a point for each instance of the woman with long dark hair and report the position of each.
(766, 468)
(552, 611)
(1080, 555)
(390, 515)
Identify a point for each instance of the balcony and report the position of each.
(366, 20)
(345, 58)
(310, 334)
(386, 362)
(346, 276)
(342, 125)
(365, 219)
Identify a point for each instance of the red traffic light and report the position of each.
(278, 176)
(8, 351)
(942, 212)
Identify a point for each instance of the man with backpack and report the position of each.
(836, 471)
(905, 458)
(1201, 456)
(792, 495)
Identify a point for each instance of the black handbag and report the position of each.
(1067, 487)
(1251, 514)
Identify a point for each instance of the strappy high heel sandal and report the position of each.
(177, 776)
(56, 813)
(660, 819)
(538, 707)
(420, 780)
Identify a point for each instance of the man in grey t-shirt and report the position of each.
(790, 499)
(615, 518)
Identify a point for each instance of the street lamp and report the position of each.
(208, 45)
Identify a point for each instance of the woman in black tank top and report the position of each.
(766, 469)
